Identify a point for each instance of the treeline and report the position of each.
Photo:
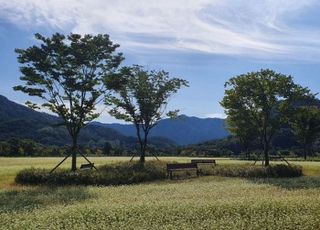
(15, 147)
(18, 147)
(285, 146)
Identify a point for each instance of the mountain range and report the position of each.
(18, 121)
(183, 130)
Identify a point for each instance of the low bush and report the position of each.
(114, 174)
(255, 171)
(132, 173)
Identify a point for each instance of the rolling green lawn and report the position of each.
(196, 203)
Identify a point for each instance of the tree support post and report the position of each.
(155, 156)
(60, 163)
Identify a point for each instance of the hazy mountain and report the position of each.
(18, 121)
(183, 130)
(21, 122)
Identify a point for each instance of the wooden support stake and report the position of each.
(60, 163)
(132, 157)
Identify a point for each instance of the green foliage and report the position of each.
(241, 127)
(305, 124)
(114, 174)
(255, 171)
(67, 73)
(107, 148)
(141, 97)
(131, 173)
(261, 100)
(20, 147)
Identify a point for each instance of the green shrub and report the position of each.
(132, 173)
(255, 171)
(114, 174)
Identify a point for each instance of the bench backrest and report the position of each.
(86, 166)
(182, 166)
(275, 157)
(203, 161)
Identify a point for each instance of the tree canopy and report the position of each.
(141, 97)
(305, 124)
(264, 99)
(66, 73)
(244, 129)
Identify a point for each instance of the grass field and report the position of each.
(197, 203)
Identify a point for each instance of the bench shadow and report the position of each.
(304, 182)
(38, 197)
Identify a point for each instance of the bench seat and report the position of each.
(181, 167)
(87, 166)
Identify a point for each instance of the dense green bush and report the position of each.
(255, 171)
(114, 174)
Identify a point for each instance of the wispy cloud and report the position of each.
(216, 115)
(264, 29)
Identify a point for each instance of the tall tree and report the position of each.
(265, 99)
(141, 97)
(67, 73)
(305, 124)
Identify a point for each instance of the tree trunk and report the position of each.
(142, 154)
(144, 147)
(266, 153)
(305, 151)
(74, 154)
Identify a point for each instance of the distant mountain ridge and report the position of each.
(18, 121)
(183, 130)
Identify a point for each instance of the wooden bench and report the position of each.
(204, 161)
(181, 167)
(87, 166)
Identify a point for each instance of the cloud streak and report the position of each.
(260, 29)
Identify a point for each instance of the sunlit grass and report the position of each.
(198, 203)
(10, 166)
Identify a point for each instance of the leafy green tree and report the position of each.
(243, 129)
(264, 99)
(141, 97)
(66, 74)
(305, 124)
(15, 147)
(29, 147)
(107, 148)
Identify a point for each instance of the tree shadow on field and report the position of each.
(304, 182)
(38, 197)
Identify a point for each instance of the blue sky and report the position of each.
(203, 41)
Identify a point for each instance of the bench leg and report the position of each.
(170, 175)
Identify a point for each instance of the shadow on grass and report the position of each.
(304, 182)
(38, 197)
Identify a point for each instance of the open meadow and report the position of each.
(203, 203)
